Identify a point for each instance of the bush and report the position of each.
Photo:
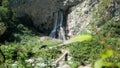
(2, 28)
(90, 51)
(85, 51)
(4, 12)
(111, 28)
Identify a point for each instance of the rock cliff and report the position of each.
(75, 12)
(41, 11)
(96, 11)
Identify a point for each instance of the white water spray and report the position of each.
(58, 31)
(53, 32)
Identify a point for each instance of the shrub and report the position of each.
(2, 28)
(90, 51)
(85, 51)
(111, 28)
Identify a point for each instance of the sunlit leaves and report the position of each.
(98, 64)
(80, 38)
(101, 62)
(107, 54)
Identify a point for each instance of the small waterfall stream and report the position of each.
(54, 30)
(58, 30)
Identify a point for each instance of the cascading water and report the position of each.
(61, 34)
(58, 31)
(53, 32)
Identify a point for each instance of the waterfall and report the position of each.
(61, 34)
(58, 31)
(53, 32)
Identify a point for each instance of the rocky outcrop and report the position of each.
(95, 11)
(76, 11)
(41, 11)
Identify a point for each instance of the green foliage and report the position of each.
(80, 38)
(26, 43)
(2, 28)
(75, 64)
(103, 63)
(49, 56)
(111, 28)
(85, 51)
(5, 3)
(50, 53)
(98, 64)
(100, 13)
(5, 16)
(3, 13)
(107, 54)
(19, 30)
(30, 49)
(92, 50)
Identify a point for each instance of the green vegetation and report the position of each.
(80, 38)
(103, 50)
(21, 42)
(2, 28)
(100, 13)
(111, 28)
(4, 16)
(89, 51)
(20, 53)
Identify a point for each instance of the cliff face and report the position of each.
(98, 12)
(41, 12)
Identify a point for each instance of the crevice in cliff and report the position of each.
(66, 12)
